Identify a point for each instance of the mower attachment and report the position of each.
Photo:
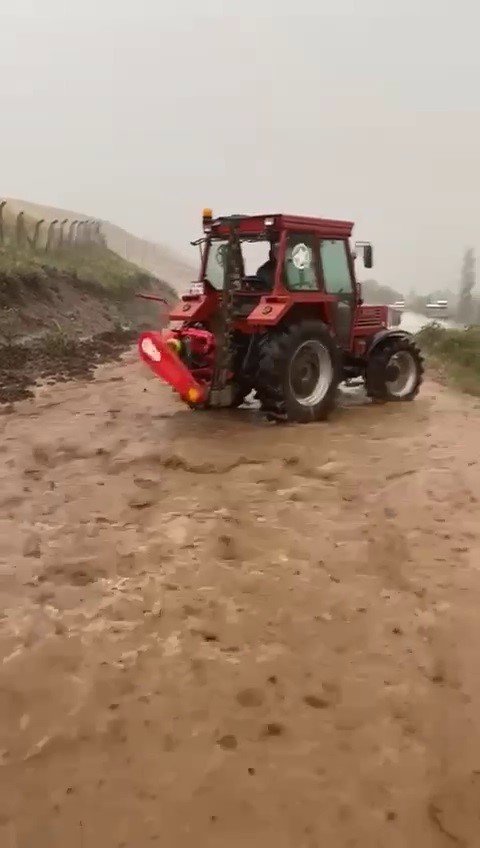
(158, 352)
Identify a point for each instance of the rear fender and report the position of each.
(269, 311)
(277, 309)
(194, 308)
(382, 337)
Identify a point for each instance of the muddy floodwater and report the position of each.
(219, 632)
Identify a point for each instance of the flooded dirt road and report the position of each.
(218, 632)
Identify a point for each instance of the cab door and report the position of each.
(338, 280)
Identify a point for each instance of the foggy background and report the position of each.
(142, 113)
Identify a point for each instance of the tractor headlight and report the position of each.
(175, 345)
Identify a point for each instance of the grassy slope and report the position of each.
(456, 353)
(156, 259)
(93, 264)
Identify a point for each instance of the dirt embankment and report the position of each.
(54, 324)
(216, 632)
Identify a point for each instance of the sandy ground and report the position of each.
(218, 632)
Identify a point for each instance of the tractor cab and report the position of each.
(275, 252)
(279, 261)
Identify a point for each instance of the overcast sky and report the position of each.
(144, 111)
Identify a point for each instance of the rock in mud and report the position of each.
(140, 501)
(31, 546)
(329, 471)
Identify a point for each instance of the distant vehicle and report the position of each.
(438, 308)
(395, 311)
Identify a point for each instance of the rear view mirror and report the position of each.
(367, 252)
(368, 256)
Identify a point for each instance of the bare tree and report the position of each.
(98, 232)
(91, 231)
(467, 283)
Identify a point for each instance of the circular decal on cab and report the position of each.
(301, 256)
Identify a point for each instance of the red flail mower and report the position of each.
(277, 310)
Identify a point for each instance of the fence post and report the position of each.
(3, 203)
(20, 230)
(82, 232)
(71, 232)
(60, 236)
(37, 231)
(50, 235)
(34, 240)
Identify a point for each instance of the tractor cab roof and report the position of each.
(268, 225)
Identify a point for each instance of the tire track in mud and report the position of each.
(209, 626)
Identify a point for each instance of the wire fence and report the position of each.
(24, 232)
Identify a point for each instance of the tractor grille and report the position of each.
(370, 315)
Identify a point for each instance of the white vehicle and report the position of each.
(438, 308)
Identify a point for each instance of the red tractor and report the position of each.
(291, 329)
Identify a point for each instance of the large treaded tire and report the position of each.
(376, 380)
(273, 382)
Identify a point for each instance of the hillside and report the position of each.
(67, 302)
(157, 259)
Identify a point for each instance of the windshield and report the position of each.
(255, 254)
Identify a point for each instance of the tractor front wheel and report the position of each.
(299, 372)
(394, 371)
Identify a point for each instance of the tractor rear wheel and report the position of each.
(395, 371)
(298, 373)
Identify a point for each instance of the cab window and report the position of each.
(336, 270)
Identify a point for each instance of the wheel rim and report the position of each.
(311, 373)
(406, 373)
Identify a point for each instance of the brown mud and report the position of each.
(219, 632)
(55, 358)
